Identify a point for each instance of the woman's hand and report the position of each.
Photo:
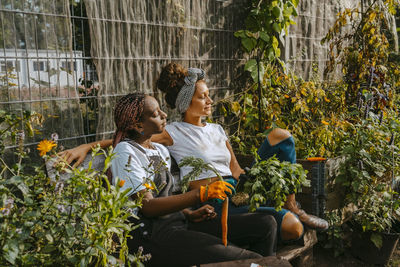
(77, 153)
(217, 190)
(206, 212)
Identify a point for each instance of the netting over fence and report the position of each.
(132, 40)
(70, 60)
(303, 50)
(37, 57)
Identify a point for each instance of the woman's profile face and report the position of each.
(201, 101)
(153, 118)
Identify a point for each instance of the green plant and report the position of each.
(198, 166)
(313, 111)
(370, 164)
(266, 24)
(359, 45)
(80, 221)
(273, 181)
(334, 238)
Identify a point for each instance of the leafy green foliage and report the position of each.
(334, 238)
(313, 111)
(371, 161)
(198, 166)
(363, 53)
(81, 221)
(273, 181)
(266, 23)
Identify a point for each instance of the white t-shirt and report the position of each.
(206, 142)
(135, 172)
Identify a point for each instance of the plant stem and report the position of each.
(6, 166)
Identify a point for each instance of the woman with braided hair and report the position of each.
(170, 227)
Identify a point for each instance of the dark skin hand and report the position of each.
(203, 213)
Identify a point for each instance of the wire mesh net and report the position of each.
(36, 64)
(132, 40)
(71, 60)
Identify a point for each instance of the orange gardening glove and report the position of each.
(216, 190)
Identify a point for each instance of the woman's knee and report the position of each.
(277, 135)
(291, 227)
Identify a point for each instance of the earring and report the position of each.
(142, 132)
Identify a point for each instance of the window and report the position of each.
(17, 66)
(6, 65)
(66, 65)
(39, 66)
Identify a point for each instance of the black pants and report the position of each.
(187, 244)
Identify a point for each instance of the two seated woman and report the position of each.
(187, 91)
(174, 234)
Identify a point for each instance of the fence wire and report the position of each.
(71, 60)
(49, 62)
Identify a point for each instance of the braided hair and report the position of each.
(127, 112)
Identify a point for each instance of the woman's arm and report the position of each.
(234, 165)
(79, 153)
(152, 207)
(163, 138)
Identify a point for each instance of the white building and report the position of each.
(45, 68)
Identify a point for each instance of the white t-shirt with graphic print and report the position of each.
(133, 170)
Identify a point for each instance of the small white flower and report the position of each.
(61, 208)
(5, 211)
(21, 135)
(54, 137)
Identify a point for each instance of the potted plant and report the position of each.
(369, 164)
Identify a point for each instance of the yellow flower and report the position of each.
(306, 120)
(45, 146)
(286, 96)
(327, 99)
(148, 186)
(121, 183)
(324, 122)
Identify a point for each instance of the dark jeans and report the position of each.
(187, 244)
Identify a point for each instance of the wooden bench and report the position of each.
(270, 261)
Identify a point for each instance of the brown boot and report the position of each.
(310, 221)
